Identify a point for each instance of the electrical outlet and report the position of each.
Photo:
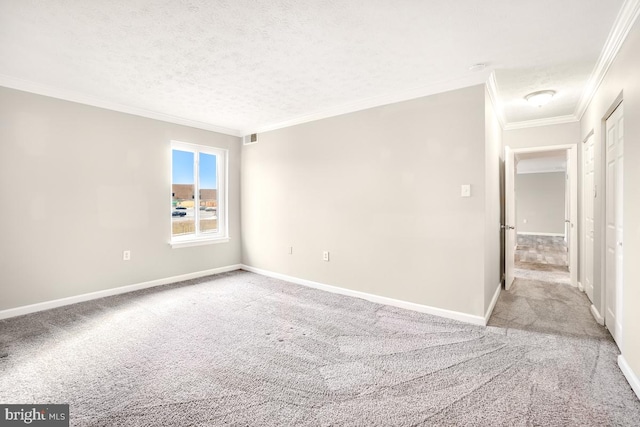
(465, 190)
(325, 256)
(126, 255)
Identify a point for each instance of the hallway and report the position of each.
(541, 298)
(566, 352)
(549, 308)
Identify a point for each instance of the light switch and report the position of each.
(465, 190)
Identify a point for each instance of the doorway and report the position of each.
(541, 215)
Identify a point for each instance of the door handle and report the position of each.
(506, 227)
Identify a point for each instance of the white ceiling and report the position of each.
(243, 66)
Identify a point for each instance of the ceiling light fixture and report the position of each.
(540, 97)
(477, 67)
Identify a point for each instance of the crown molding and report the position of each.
(477, 78)
(557, 120)
(39, 89)
(618, 34)
(494, 96)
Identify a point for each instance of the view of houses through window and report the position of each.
(194, 201)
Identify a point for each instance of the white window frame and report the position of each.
(222, 162)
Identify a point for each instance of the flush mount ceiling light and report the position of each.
(477, 67)
(540, 98)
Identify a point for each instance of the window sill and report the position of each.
(175, 244)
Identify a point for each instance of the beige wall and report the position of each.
(540, 200)
(622, 77)
(493, 154)
(543, 136)
(93, 183)
(380, 190)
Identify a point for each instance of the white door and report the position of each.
(589, 193)
(510, 216)
(613, 222)
(572, 231)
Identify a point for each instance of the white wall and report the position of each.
(543, 136)
(622, 77)
(540, 201)
(79, 185)
(380, 190)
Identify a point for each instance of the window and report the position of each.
(198, 195)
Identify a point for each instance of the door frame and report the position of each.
(572, 171)
(592, 194)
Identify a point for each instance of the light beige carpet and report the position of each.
(242, 349)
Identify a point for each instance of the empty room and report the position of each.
(543, 221)
(320, 213)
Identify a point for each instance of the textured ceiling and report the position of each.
(248, 65)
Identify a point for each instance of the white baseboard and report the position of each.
(456, 315)
(631, 377)
(596, 315)
(527, 233)
(26, 309)
(494, 300)
(589, 291)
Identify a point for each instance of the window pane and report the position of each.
(208, 193)
(182, 187)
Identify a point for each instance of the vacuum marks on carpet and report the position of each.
(243, 349)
